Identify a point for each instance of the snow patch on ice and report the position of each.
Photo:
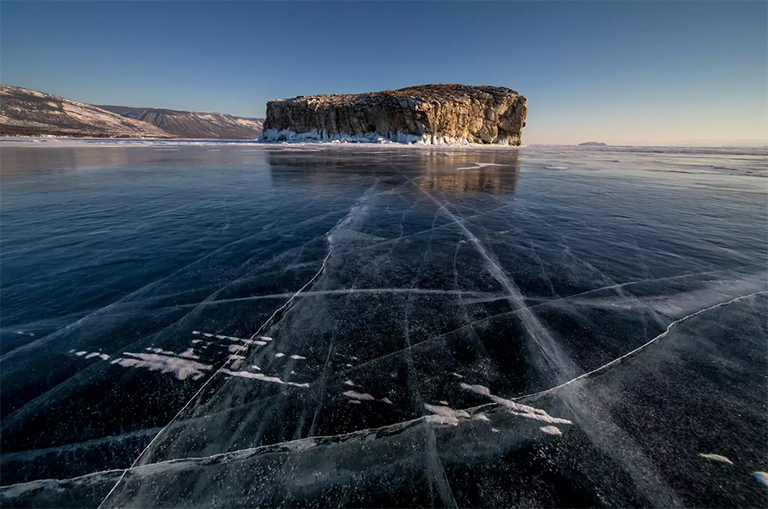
(229, 338)
(262, 377)
(716, 457)
(526, 411)
(445, 414)
(189, 353)
(102, 356)
(91, 355)
(182, 368)
(359, 396)
(551, 430)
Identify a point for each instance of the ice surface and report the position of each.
(326, 325)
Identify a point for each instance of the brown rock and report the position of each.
(427, 113)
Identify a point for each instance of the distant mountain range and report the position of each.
(194, 124)
(26, 112)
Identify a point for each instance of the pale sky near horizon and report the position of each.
(621, 73)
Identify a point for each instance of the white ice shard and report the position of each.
(526, 411)
(262, 377)
(551, 430)
(445, 414)
(716, 457)
(359, 396)
(182, 368)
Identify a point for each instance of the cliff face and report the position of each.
(423, 114)
(29, 113)
(193, 124)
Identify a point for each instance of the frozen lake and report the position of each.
(301, 325)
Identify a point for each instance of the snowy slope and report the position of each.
(26, 112)
(192, 124)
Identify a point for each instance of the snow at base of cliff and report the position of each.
(287, 135)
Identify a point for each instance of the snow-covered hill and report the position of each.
(192, 124)
(26, 112)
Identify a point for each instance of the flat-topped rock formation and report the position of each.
(432, 114)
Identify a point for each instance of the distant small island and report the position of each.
(429, 114)
(593, 144)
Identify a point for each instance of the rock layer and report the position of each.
(422, 114)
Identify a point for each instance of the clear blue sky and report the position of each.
(624, 72)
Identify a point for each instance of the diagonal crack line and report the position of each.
(623, 285)
(223, 366)
(557, 362)
(639, 348)
(149, 286)
(30, 406)
(434, 463)
(277, 312)
(417, 419)
(240, 453)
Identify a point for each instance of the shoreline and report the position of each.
(67, 141)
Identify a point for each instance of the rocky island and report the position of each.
(429, 114)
